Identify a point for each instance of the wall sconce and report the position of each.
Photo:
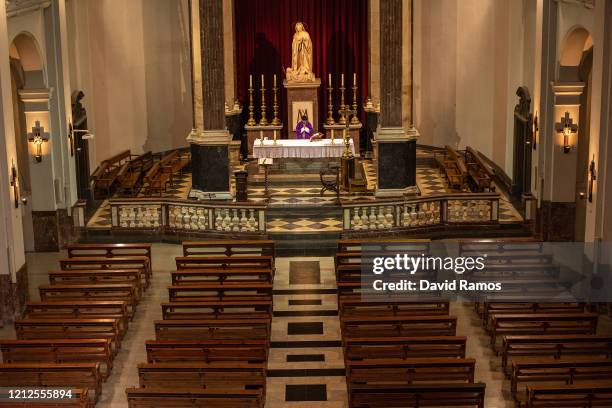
(38, 136)
(566, 126)
(14, 184)
(592, 178)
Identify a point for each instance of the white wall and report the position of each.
(131, 59)
(472, 55)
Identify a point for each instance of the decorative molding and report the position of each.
(209, 137)
(16, 7)
(589, 4)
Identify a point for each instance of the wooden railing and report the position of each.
(184, 216)
(393, 214)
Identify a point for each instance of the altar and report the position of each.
(300, 149)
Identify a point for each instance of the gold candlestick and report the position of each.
(332, 137)
(261, 138)
(354, 119)
(263, 121)
(274, 136)
(342, 118)
(251, 121)
(330, 104)
(275, 120)
(347, 111)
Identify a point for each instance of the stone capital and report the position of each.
(209, 137)
(397, 134)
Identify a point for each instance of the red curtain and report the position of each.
(264, 31)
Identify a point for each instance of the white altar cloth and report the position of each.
(299, 148)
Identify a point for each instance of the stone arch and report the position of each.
(26, 50)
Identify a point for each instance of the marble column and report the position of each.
(210, 140)
(396, 145)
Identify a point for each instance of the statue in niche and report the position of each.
(301, 57)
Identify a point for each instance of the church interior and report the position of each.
(196, 196)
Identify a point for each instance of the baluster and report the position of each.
(365, 224)
(380, 218)
(372, 218)
(252, 220)
(243, 221)
(356, 219)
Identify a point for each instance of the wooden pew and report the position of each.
(80, 309)
(170, 398)
(562, 372)
(106, 276)
(220, 291)
(225, 247)
(224, 262)
(157, 179)
(37, 329)
(507, 247)
(412, 371)
(141, 263)
(196, 276)
(59, 351)
(493, 308)
(450, 395)
(398, 326)
(212, 329)
(106, 175)
(556, 347)
(357, 245)
(64, 375)
(130, 176)
(369, 348)
(114, 292)
(176, 161)
(354, 308)
(480, 175)
(214, 376)
(208, 351)
(217, 310)
(542, 323)
(569, 396)
(109, 250)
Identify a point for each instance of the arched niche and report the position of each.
(26, 51)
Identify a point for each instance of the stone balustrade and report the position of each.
(386, 215)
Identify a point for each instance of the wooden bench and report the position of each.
(353, 308)
(176, 160)
(562, 372)
(493, 308)
(78, 399)
(449, 395)
(208, 351)
(383, 244)
(38, 329)
(224, 262)
(59, 351)
(398, 326)
(220, 291)
(77, 309)
(542, 323)
(481, 177)
(364, 288)
(130, 176)
(65, 375)
(225, 247)
(412, 371)
(114, 292)
(109, 250)
(212, 329)
(141, 263)
(157, 179)
(369, 348)
(106, 276)
(226, 309)
(556, 347)
(569, 396)
(507, 247)
(169, 398)
(211, 376)
(195, 276)
(106, 175)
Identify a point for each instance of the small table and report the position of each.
(300, 149)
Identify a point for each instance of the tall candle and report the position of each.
(275, 80)
(332, 134)
(250, 81)
(262, 80)
(329, 80)
(342, 80)
(354, 78)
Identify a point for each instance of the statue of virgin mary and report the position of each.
(301, 56)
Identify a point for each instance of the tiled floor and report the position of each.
(304, 370)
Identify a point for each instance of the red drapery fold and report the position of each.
(264, 31)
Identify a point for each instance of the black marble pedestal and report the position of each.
(210, 165)
(396, 164)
